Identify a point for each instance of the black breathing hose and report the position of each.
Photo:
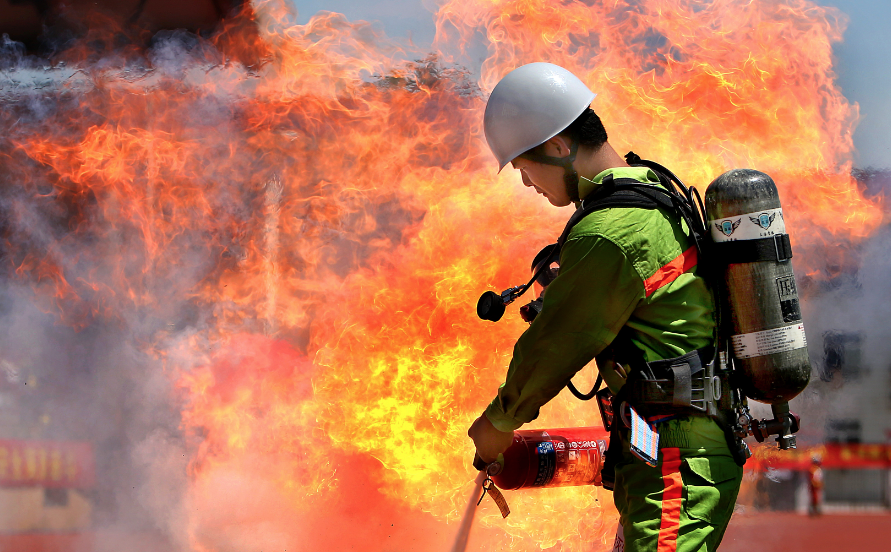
(585, 396)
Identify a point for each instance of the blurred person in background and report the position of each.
(815, 486)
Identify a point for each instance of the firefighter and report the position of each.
(815, 486)
(622, 269)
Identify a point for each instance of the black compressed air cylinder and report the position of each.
(768, 343)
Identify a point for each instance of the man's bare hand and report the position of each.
(489, 441)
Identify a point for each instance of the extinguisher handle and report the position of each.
(479, 463)
(492, 468)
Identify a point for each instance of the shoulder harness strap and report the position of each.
(619, 192)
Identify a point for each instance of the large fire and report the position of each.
(298, 225)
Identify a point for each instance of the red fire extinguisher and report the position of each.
(561, 457)
(537, 458)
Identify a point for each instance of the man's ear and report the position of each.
(558, 146)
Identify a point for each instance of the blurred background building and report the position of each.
(46, 484)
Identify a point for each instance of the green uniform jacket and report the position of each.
(619, 267)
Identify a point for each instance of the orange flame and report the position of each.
(702, 88)
(301, 236)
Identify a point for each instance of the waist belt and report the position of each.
(685, 384)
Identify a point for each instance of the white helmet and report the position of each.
(531, 105)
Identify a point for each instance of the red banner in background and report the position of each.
(46, 464)
(832, 456)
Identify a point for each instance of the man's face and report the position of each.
(546, 179)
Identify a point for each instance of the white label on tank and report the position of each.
(768, 342)
(749, 226)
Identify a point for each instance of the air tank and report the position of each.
(751, 249)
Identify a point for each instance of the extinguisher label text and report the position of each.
(547, 463)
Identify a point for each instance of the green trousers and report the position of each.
(684, 503)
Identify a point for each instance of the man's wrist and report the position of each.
(499, 419)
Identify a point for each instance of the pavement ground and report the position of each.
(791, 532)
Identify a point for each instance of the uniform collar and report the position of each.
(641, 174)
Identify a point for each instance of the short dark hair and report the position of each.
(587, 130)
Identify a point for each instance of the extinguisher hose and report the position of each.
(585, 396)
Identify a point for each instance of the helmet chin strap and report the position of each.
(570, 176)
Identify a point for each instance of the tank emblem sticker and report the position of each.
(764, 224)
(764, 220)
(728, 226)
